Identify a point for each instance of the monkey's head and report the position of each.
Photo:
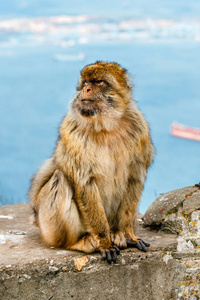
(104, 90)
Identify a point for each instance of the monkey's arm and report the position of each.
(141, 160)
(91, 207)
(128, 213)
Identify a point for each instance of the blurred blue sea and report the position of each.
(38, 80)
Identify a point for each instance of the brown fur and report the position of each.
(86, 196)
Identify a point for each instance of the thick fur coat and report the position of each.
(85, 196)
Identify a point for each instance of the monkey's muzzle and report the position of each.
(88, 100)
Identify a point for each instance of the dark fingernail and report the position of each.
(109, 258)
(138, 245)
(117, 249)
(113, 255)
(143, 246)
(104, 255)
(145, 243)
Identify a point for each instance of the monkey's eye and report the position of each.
(99, 82)
(86, 82)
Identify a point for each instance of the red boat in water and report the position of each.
(185, 132)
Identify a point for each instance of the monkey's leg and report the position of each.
(118, 238)
(87, 244)
(90, 243)
(127, 215)
(58, 217)
(94, 218)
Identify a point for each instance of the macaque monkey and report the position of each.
(85, 197)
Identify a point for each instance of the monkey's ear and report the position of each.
(80, 83)
(128, 82)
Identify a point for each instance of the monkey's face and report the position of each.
(92, 97)
(102, 90)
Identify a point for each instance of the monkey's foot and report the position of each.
(110, 254)
(87, 244)
(140, 244)
(118, 239)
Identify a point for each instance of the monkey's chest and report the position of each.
(111, 171)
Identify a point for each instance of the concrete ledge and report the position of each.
(30, 270)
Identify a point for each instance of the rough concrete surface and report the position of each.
(30, 270)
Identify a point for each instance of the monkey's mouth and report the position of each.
(86, 112)
(88, 100)
(88, 108)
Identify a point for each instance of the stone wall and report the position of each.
(169, 270)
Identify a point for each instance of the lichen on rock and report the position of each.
(177, 212)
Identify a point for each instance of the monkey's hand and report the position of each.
(139, 243)
(110, 254)
(118, 239)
